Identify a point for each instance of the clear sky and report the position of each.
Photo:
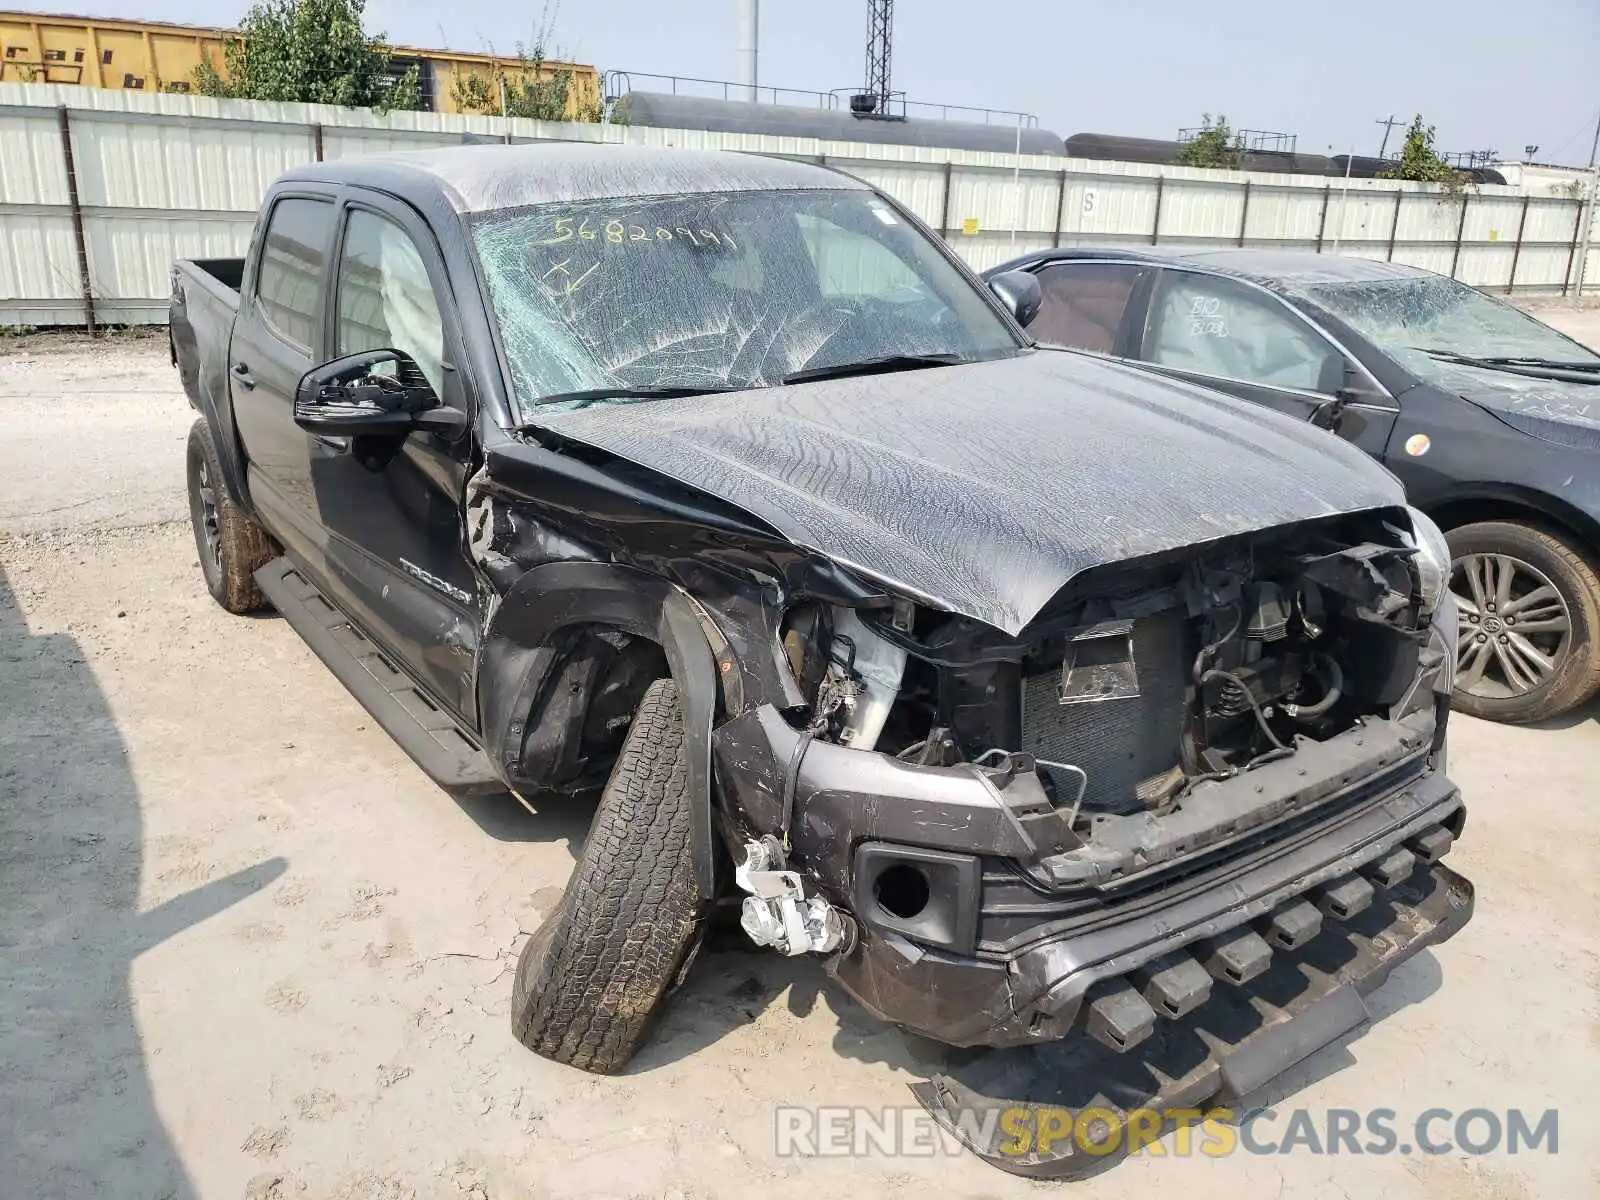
(1488, 73)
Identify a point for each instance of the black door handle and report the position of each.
(242, 373)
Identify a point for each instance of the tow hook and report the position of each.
(776, 913)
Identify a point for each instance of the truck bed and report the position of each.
(204, 301)
(203, 304)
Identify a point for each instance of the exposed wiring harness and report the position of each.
(1279, 749)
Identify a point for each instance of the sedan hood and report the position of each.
(1552, 409)
(984, 488)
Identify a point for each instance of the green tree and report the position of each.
(533, 89)
(1216, 145)
(1418, 160)
(310, 51)
(475, 92)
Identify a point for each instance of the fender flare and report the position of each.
(519, 654)
(210, 378)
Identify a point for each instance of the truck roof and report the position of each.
(487, 178)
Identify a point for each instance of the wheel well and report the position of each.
(575, 724)
(1572, 529)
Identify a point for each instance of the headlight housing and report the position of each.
(1433, 558)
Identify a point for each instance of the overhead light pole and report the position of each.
(749, 46)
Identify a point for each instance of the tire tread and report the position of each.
(592, 978)
(246, 547)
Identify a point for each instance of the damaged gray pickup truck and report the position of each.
(1052, 705)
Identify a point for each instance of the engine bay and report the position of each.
(1139, 682)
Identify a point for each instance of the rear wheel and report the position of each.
(592, 979)
(230, 543)
(1530, 622)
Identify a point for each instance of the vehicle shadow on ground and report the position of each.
(1581, 715)
(732, 986)
(733, 983)
(550, 818)
(75, 1100)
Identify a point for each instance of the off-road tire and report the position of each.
(1578, 677)
(592, 979)
(241, 546)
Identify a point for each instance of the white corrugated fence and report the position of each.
(100, 190)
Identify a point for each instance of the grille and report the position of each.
(1125, 711)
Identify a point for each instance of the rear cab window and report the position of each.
(294, 249)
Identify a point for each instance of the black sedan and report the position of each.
(1490, 419)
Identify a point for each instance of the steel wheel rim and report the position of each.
(1516, 627)
(210, 527)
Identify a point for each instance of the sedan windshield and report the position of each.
(706, 292)
(1429, 321)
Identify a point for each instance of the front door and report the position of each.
(1230, 335)
(392, 530)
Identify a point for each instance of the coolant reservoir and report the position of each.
(880, 665)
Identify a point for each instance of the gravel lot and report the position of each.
(247, 949)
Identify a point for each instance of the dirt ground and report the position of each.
(248, 949)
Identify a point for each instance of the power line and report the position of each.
(1577, 133)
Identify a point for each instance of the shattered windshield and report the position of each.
(719, 290)
(1420, 321)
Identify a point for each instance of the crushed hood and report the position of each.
(986, 487)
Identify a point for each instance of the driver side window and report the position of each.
(385, 299)
(1216, 326)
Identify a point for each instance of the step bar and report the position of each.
(449, 754)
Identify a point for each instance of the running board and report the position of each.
(424, 731)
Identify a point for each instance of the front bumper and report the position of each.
(1229, 1047)
(1035, 947)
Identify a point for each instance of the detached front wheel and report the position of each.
(592, 979)
(1529, 608)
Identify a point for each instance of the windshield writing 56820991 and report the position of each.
(620, 233)
(719, 290)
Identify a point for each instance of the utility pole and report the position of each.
(1388, 124)
(749, 48)
(1344, 197)
(1587, 214)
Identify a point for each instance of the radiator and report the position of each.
(1114, 708)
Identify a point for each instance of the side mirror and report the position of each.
(1332, 374)
(344, 398)
(1333, 378)
(1019, 292)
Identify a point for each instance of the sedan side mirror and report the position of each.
(1019, 291)
(1333, 380)
(1332, 374)
(344, 398)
